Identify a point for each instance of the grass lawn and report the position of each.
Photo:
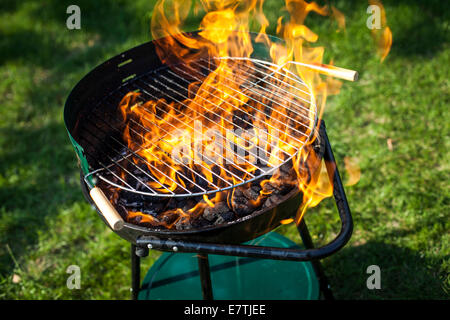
(400, 206)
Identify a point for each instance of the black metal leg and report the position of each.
(135, 273)
(317, 266)
(205, 276)
(136, 254)
(342, 205)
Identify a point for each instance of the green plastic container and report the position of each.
(175, 276)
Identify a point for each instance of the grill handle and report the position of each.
(114, 220)
(329, 70)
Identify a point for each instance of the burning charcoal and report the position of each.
(149, 225)
(272, 200)
(212, 213)
(183, 224)
(242, 209)
(131, 199)
(130, 205)
(256, 183)
(169, 219)
(226, 216)
(172, 204)
(139, 170)
(113, 179)
(158, 206)
(257, 172)
(285, 189)
(135, 220)
(123, 152)
(202, 183)
(239, 200)
(122, 211)
(238, 193)
(250, 194)
(181, 202)
(287, 167)
(197, 199)
(241, 120)
(219, 220)
(189, 204)
(200, 223)
(209, 214)
(286, 174)
(256, 188)
(150, 212)
(151, 199)
(268, 187)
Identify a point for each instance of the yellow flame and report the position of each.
(383, 36)
(353, 170)
(224, 32)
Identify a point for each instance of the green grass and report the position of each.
(400, 206)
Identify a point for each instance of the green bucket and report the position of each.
(175, 276)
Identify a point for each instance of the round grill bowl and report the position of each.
(107, 78)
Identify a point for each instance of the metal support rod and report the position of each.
(205, 276)
(317, 266)
(135, 273)
(338, 188)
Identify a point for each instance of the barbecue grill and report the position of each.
(96, 131)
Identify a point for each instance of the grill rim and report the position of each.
(97, 173)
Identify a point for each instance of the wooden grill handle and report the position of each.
(329, 70)
(106, 208)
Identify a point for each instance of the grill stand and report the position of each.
(309, 254)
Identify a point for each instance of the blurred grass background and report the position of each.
(400, 206)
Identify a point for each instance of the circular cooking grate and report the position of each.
(265, 102)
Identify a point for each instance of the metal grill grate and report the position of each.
(275, 91)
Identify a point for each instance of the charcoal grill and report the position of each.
(95, 132)
(171, 83)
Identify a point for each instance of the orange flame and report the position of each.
(353, 170)
(383, 36)
(186, 125)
